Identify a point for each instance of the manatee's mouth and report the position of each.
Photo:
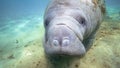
(63, 39)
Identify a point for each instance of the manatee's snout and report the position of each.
(63, 38)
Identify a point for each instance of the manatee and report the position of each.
(71, 25)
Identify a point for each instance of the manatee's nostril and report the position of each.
(65, 42)
(55, 43)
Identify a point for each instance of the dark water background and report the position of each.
(20, 8)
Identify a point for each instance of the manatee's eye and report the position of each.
(46, 23)
(82, 21)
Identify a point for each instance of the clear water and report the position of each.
(20, 24)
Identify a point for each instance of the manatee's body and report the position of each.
(70, 25)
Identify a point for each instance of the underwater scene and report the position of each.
(22, 33)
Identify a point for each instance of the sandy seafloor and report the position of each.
(21, 45)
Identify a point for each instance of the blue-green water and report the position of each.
(21, 20)
(19, 17)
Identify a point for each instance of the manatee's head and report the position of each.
(64, 36)
(65, 30)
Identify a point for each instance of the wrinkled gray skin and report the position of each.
(70, 26)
